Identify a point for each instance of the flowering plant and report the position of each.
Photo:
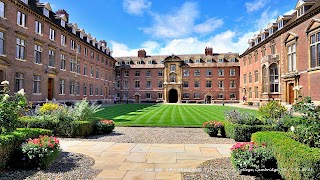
(10, 107)
(40, 152)
(250, 157)
(104, 126)
(212, 127)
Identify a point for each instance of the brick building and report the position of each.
(208, 77)
(51, 58)
(284, 55)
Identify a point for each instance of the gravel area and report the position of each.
(158, 135)
(66, 166)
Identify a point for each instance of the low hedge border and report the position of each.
(294, 159)
(242, 133)
(82, 128)
(10, 141)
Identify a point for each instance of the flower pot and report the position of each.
(213, 133)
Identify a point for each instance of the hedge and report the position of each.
(29, 122)
(294, 159)
(242, 133)
(10, 141)
(82, 128)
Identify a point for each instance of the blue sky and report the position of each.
(163, 27)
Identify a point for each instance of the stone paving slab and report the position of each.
(146, 161)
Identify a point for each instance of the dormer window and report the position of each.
(220, 60)
(300, 11)
(46, 12)
(81, 35)
(149, 62)
(138, 62)
(280, 24)
(209, 60)
(263, 37)
(63, 23)
(73, 30)
(256, 41)
(128, 62)
(25, 1)
(186, 61)
(233, 60)
(197, 61)
(271, 31)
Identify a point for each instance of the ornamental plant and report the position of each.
(11, 107)
(48, 108)
(271, 111)
(104, 127)
(213, 127)
(237, 117)
(250, 157)
(40, 152)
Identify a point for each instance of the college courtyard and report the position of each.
(70, 110)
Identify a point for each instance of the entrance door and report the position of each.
(209, 99)
(136, 98)
(106, 93)
(291, 93)
(50, 89)
(173, 96)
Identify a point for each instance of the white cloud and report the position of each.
(136, 7)
(120, 50)
(290, 12)
(181, 23)
(265, 18)
(255, 5)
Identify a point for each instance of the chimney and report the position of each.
(142, 53)
(208, 51)
(61, 12)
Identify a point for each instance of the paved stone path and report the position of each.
(146, 161)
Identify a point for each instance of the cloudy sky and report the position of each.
(163, 27)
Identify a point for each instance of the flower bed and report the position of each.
(104, 127)
(213, 128)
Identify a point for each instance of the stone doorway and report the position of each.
(173, 96)
(291, 93)
(137, 98)
(50, 89)
(208, 100)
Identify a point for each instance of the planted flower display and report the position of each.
(104, 127)
(40, 152)
(213, 128)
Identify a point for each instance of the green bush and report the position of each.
(237, 117)
(10, 141)
(272, 110)
(104, 127)
(75, 128)
(44, 121)
(294, 159)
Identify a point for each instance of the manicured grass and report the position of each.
(162, 115)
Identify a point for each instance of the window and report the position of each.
(125, 84)
(85, 69)
(300, 11)
(84, 89)
(250, 60)
(186, 61)
(185, 96)
(38, 28)
(77, 88)
(149, 84)
(244, 79)
(220, 96)
(274, 78)
(148, 73)
(256, 76)
(232, 96)
(209, 60)
(232, 72)
(220, 60)
(136, 84)
(256, 56)
(61, 87)
(263, 51)
(63, 62)
(149, 62)
(46, 12)
(208, 83)
(21, 46)
(126, 73)
(51, 58)
(196, 95)
(97, 57)
(63, 40)
(52, 34)
(280, 24)
(256, 92)
(208, 72)
(92, 55)
(148, 95)
(250, 92)
(315, 50)
(37, 54)
(233, 60)
(1, 43)
(197, 84)
(244, 62)
(273, 48)
(137, 74)
(160, 84)
(185, 72)
(292, 58)
(220, 72)
(63, 23)
(85, 51)
(97, 91)
(36, 84)
(173, 67)
(78, 48)
(250, 77)
(185, 84)
(91, 72)
(19, 81)
(221, 84)
(72, 44)
(197, 61)
(21, 19)
(118, 84)
(97, 73)
(1, 9)
(91, 90)
(232, 84)
(172, 77)
(71, 89)
(72, 65)
(197, 72)
(78, 67)
(117, 73)
(160, 96)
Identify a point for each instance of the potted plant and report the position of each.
(104, 127)
(212, 127)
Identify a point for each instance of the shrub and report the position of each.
(10, 141)
(39, 121)
(212, 128)
(251, 157)
(83, 111)
(48, 108)
(81, 128)
(250, 103)
(40, 152)
(272, 110)
(294, 159)
(237, 117)
(104, 127)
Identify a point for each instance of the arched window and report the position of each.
(274, 78)
(172, 77)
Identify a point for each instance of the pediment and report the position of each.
(299, 4)
(52, 71)
(4, 61)
(47, 6)
(314, 24)
(290, 36)
(136, 94)
(172, 58)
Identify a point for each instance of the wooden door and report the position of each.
(291, 93)
(50, 89)
(136, 98)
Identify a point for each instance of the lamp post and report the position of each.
(223, 97)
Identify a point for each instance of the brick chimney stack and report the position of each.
(208, 51)
(142, 53)
(61, 12)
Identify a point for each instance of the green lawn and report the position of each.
(162, 115)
